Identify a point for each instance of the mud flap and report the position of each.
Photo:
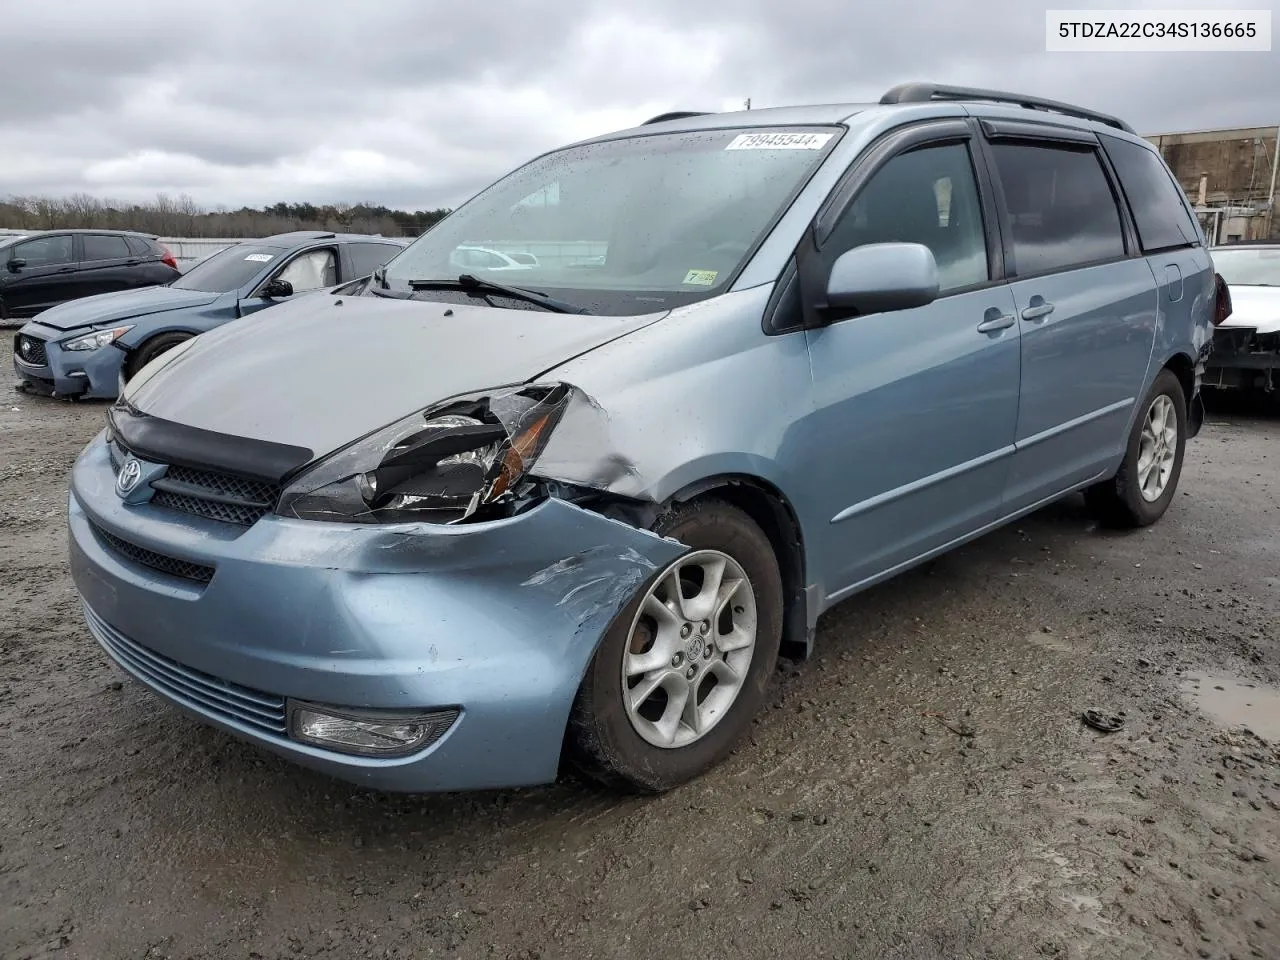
(1195, 416)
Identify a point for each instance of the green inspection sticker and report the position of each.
(701, 278)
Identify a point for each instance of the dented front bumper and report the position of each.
(1242, 357)
(496, 619)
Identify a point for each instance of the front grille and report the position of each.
(174, 567)
(31, 350)
(203, 692)
(217, 496)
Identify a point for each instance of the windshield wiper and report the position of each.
(387, 292)
(469, 283)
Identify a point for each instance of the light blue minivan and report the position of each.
(451, 530)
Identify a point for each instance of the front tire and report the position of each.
(150, 350)
(683, 670)
(1144, 486)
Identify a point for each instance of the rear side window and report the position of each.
(1061, 209)
(138, 247)
(1156, 201)
(97, 247)
(368, 257)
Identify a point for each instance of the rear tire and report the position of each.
(151, 349)
(704, 694)
(1145, 484)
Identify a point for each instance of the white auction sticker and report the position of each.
(779, 141)
(260, 257)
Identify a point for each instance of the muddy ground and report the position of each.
(853, 824)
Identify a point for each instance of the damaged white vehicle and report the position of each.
(1246, 345)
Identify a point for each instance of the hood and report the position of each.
(321, 372)
(121, 305)
(1255, 307)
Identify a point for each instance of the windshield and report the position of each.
(1243, 268)
(229, 269)
(623, 226)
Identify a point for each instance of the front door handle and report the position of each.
(1038, 310)
(66, 269)
(993, 319)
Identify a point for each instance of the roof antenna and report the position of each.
(747, 104)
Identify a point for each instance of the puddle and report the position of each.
(1234, 703)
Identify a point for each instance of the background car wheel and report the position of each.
(151, 349)
(1144, 486)
(683, 669)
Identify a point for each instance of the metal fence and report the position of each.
(189, 251)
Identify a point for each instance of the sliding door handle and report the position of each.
(1037, 310)
(993, 320)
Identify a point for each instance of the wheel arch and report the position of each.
(131, 353)
(769, 508)
(1183, 367)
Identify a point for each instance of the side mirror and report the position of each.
(16, 264)
(880, 277)
(277, 289)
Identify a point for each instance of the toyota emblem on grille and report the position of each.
(130, 474)
(25, 348)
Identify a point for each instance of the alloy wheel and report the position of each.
(1157, 448)
(689, 649)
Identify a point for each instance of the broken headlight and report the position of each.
(463, 458)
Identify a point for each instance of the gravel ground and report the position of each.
(922, 788)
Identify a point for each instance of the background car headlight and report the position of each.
(99, 338)
(440, 465)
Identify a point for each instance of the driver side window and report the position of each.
(311, 271)
(44, 251)
(927, 196)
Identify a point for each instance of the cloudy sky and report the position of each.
(418, 103)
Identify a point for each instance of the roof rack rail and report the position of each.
(925, 92)
(675, 115)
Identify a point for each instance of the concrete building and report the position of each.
(1230, 177)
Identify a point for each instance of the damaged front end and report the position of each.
(468, 459)
(1243, 358)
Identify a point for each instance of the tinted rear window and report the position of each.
(1062, 210)
(97, 247)
(1156, 201)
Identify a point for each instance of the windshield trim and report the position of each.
(680, 298)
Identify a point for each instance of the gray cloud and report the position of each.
(416, 104)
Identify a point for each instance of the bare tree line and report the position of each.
(181, 216)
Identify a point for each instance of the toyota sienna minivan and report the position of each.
(451, 530)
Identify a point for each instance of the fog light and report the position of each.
(370, 733)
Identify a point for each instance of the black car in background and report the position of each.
(45, 268)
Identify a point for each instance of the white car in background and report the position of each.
(1246, 346)
(471, 258)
